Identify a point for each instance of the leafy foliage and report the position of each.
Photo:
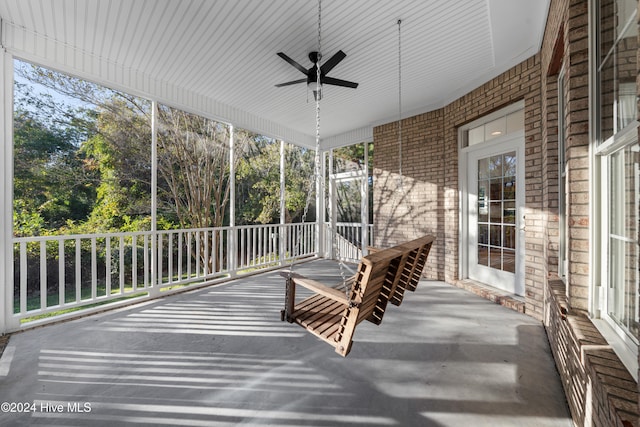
(258, 187)
(83, 163)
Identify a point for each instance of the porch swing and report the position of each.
(381, 277)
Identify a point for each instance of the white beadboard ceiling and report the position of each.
(219, 57)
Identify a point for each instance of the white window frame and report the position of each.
(623, 343)
(563, 243)
(620, 340)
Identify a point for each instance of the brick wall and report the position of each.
(411, 205)
(429, 200)
(577, 151)
(599, 390)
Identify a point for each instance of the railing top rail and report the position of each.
(80, 236)
(289, 224)
(29, 239)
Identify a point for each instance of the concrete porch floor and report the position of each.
(220, 356)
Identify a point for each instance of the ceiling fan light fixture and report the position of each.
(313, 87)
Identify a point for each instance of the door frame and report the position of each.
(335, 179)
(514, 141)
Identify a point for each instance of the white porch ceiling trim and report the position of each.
(38, 49)
(354, 136)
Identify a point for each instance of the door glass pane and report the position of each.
(483, 234)
(483, 255)
(495, 258)
(496, 189)
(495, 166)
(509, 212)
(483, 168)
(509, 260)
(483, 201)
(497, 211)
(510, 165)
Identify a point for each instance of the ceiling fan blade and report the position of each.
(339, 82)
(292, 82)
(292, 62)
(332, 62)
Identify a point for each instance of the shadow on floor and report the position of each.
(220, 356)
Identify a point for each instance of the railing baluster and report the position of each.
(268, 243)
(170, 258)
(254, 246)
(303, 246)
(23, 277)
(221, 257)
(78, 270)
(43, 274)
(107, 267)
(189, 255)
(206, 260)
(180, 238)
(159, 280)
(274, 241)
(290, 238)
(94, 269)
(61, 274)
(197, 254)
(134, 262)
(145, 258)
(264, 244)
(241, 260)
(121, 259)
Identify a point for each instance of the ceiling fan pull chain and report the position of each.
(318, 57)
(319, 28)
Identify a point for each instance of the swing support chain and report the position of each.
(316, 181)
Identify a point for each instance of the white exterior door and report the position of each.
(494, 214)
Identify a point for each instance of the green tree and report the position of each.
(52, 184)
(258, 183)
(121, 153)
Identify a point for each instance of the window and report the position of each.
(617, 161)
(562, 182)
(494, 128)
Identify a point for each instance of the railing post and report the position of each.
(233, 235)
(320, 206)
(8, 321)
(333, 232)
(153, 288)
(364, 207)
(281, 230)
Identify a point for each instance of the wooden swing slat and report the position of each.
(320, 288)
(381, 276)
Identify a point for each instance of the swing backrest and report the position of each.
(370, 279)
(381, 276)
(403, 274)
(417, 251)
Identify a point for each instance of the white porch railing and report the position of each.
(348, 240)
(57, 274)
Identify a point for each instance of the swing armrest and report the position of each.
(317, 287)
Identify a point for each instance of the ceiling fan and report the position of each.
(312, 73)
